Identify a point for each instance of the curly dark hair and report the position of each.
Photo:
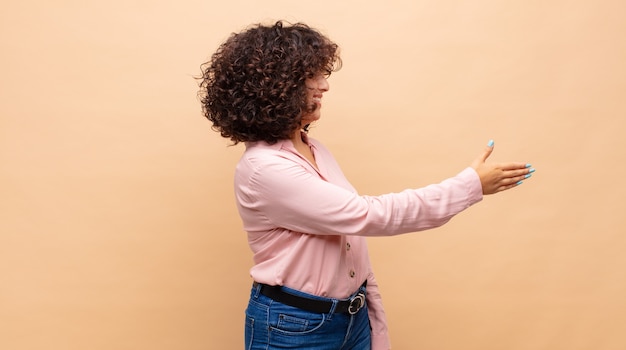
(253, 88)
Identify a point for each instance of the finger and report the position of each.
(515, 166)
(487, 151)
(523, 173)
(509, 186)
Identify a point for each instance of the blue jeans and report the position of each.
(272, 325)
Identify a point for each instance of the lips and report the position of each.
(317, 99)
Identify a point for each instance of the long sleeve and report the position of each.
(291, 197)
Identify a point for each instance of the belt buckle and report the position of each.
(356, 303)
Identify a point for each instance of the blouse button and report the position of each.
(352, 273)
(348, 246)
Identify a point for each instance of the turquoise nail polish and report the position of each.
(531, 170)
(528, 165)
(527, 176)
(519, 183)
(490, 143)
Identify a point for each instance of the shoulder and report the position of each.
(255, 150)
(263, 152)
(264, 157)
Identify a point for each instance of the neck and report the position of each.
(298, 138)
(301, 145)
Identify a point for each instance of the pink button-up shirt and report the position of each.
(307, 227)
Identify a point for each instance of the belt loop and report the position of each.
(257, 289)
(332, 309)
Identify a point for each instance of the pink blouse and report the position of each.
(307, 228)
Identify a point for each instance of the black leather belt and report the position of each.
(350, 306)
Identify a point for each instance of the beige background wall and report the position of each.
(118, 228)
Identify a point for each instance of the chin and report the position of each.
(310, 119)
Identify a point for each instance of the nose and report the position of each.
(322, 83)
(319, 82)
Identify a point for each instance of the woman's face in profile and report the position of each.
(316, 87)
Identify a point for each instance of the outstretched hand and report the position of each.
(497, 177)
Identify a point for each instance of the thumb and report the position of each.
(484, 155)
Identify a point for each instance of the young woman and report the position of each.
(313, 284)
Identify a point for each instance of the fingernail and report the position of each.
(490, 143)
(527, 176)
(528, 165)
(519, 183)
(531, 170)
